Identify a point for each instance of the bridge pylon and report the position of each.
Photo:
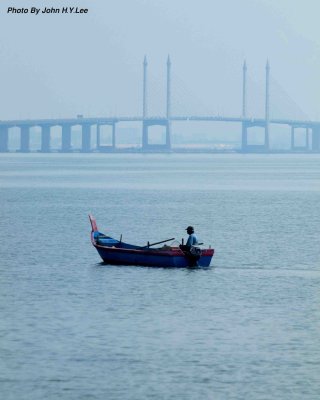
(267, 107)
(147, 122)
(246, 124)
(168, 127)
(144, 104)
(244, 135)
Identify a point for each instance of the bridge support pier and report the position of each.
(98, 136)
(168, 135)
(253, 148)
(305, 147)
(45, 139)
(24, 139)
(86, 138)
(266, 137)
(145, 135)
(145, 142)
(292, 138)
(316, 138)
(114, 136)
(107, 147)
(244, 137)
(66, 138)
(4, 136)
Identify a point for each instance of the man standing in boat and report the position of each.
(190, 249)
(192, 239)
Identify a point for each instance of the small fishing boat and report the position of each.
(116, 252)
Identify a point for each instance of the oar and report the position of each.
(162, 241)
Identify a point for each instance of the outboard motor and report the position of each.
(194, 255)
(195, 251)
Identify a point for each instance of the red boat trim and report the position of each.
(142, 252)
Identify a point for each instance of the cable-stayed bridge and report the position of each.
(93, 125)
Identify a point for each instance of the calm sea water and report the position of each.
(246, 328)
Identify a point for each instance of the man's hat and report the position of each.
(190, 228)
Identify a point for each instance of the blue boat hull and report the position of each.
(151, 258)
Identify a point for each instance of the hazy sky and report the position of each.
(63, 65)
